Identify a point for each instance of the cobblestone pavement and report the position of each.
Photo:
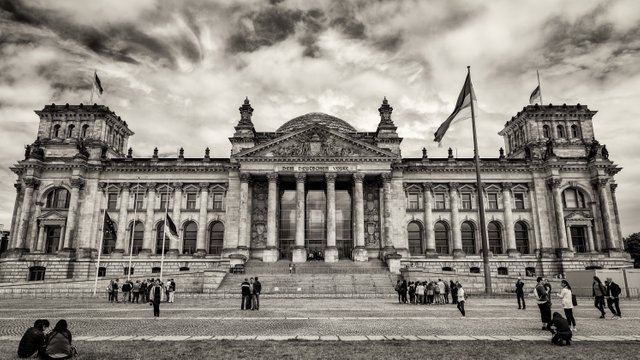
(309, 319)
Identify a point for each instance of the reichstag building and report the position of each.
(317, 189)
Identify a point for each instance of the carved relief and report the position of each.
(371, 215)
(317, 143)
(259, 215)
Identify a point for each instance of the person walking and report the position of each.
(567, 303)
(520, 293)
(257, 289)
(560, 330)
(542, 298)
(461, 299)
(246, 295)
(155, 293)
(599, 291)
(613, 298)
(454, 292)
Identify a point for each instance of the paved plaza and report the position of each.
(348, 319)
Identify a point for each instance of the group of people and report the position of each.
(251, 289)
(140, 291)
(431, 293)
(562, 328)
(54, 344)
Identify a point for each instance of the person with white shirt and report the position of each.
(567, 303)
(420, 292)
(461, 299)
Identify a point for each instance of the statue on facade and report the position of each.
(605, 152)
(103, 151)
(27, 151)
(527, 153)
(593, 149)
(549, 153)
(82, 148)
(35, 150)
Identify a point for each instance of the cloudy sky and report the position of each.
(177, 71)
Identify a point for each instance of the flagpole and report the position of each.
(164, 232)
(133, 227)
(539, 87)
(483, 225)
(104, 212)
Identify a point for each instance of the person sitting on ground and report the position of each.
(560, 329)
(33, 340)
(59, 342)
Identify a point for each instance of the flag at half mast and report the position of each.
(170, 228)
(462, 110)
(109, 227)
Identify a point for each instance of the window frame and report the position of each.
(519, 203)
(111, 201)
(218, 204)
(413, 201)
(191, 204)
(490, 201)
(466, 204)
(438, 201)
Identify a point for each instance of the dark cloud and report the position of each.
(390, 42)
(350, 27)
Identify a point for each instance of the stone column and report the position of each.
(386, 216)
(569, 238)
(243, 228)
(607, 219)
(20, 243)
(122, 221)
(359, 253)
(613, 188)
(41, 234)
(148, 242)
(33, 233)
(299, 251)
(559, 212)
(428, 221)
(592, 248)
(331, 252)
(174, 243)
(201, 241)
(70, 231)
(455, 221)
(270, 254)
(512, 248)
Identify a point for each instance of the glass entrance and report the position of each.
(287, 232)
(344, 238)
(52, 242)
(316, 224)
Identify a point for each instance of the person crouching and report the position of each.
(560, 329)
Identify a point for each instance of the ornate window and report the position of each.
(575, 133)
(58, 199)
(522, 237)
(85, 131)
(492, 202)
(216, 238)
(413, 201)
(138, 237)
(190, 238)
(36, 273)
(441, 231)
(414, 231)
(191, 200)
(160, 238)
(545, 132)
(55, 133)
(494, 231)
(468, 233)
(53, 234)
(112, 201)
(218, 201)
(440, 199)
(70, 130)
(573, 199)
(164, 200)
(560, 130)
(467, 203)
(579, 238)
(518, 198)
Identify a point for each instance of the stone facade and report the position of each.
(314, 189)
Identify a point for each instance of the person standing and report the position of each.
(126, 288)
(110, 290)
(567, 303)
(143, 291)
(447, 290)
(542, 298)
(461, 299)
(155, 293)
(441, 290)
(599, 291)
(172, 290)
(454, 292)
(420, 293)
(257, 289)
(520, 293)
(613, 298)
(398, 289)
(246, 295)
(114, 290)
(136, 291)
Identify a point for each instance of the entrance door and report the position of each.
(344, 234)
(287, 230)
(52, 234)
(316, 224)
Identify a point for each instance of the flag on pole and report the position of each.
(170, 228)
(97, 83)
(535, 96)
(462, 110)
(109, 228)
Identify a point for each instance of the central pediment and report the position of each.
(317, 142)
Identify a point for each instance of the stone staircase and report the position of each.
(315, 279)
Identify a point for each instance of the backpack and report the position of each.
(398, 287)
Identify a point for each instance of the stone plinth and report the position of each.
(331, 254)
(299, 255)
(360, 254)
(513, 253)
(270, 255)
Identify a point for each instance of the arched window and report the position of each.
(575, 133)
(495, 237)
(85, 131)
(108, 243)
(573, 199)
(441, 231)
(70, 130)
(56, 131)
(414, 231)
(190, 237)
(160, 237)
(522, 237)
(58, 199)
(468, 233)
(561, 134)
(138, 236)
(216, 238)
(545, 132)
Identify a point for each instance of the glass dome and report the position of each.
(309, 119)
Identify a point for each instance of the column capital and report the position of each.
(272, 176)
(177, 186)
(330, 177)
(554, 183)
(245, 177)
(599, 182)
(204, 186)
(151, 186)
(386, 177)
(77, 183)
(613, 187)
(18, 187)
(358, 177)
(31, 182)
(124, 186)
(507, 186)
(453, 186)
(427, 186)
(301, 177)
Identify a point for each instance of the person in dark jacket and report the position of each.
(257, 288)
(560, 330)
(59, 342)
(33, 341)
(613, 300)
(114, 291)
(246, 295)
(520, 293)
(155, 295)
(599, 291)
(454, 292)
(403, 291)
